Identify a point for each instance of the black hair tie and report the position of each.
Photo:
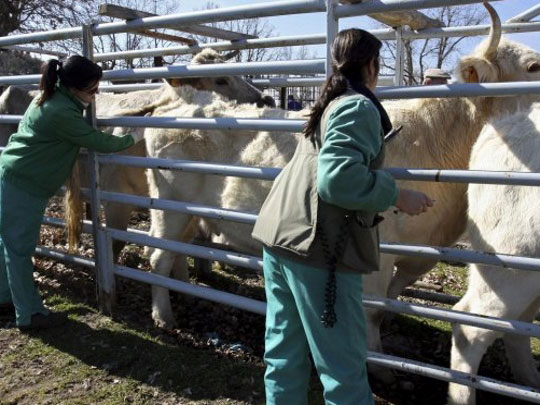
(60, 64)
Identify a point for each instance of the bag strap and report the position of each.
(331, 256)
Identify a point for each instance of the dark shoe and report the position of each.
(40, 321)
(7, 309)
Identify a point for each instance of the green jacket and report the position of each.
(324, 186)
(39, 157)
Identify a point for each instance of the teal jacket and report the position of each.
(332, 187)
(351, 142)
(39, 157)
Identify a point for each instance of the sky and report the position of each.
(314, 23)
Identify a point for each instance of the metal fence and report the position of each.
(106, 269)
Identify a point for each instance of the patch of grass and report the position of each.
(94, 359)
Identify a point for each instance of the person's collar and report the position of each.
(64, 90)
(362, 89)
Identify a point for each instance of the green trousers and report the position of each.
(21, 214)
(295, 302)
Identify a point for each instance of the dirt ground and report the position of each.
(213, 357)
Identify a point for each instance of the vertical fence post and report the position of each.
(332, 28)
(105, 284)
(400, 58)
(283, 98)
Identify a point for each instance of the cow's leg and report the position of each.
(117, 216)
(162, 262)
(518, 350)
(180, 265)
(469, 344)
(408, 270)
(376, 285)
(468, 347)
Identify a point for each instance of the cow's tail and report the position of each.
(74, 209)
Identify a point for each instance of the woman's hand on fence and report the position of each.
(413, 202)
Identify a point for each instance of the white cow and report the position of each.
(438, 133)
(132, 180)
(14, 101)
(503, 219)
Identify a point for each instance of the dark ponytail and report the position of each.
(77, 72)
(352, 51)
(49, 77)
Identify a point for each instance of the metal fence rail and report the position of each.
(253, 262)
(319, 39)
(432, 252)
(174, 20)
(103, 235)
(270, 173)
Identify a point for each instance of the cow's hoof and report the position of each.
(164, 323)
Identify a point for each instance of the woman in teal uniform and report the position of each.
(38, 159)
(319, 228)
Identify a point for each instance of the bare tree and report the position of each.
(258, 27)
(35, 15)
(130, 40)
(437, 52)
(38, 15)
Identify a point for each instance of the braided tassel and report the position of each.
(329, 317)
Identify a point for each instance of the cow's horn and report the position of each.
(231, 55)
(494, 33)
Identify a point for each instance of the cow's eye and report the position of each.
(221, 81)
(533, 67)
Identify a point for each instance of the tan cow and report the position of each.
(438, 133)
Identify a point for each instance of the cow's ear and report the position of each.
(185, 81)
(477, 70)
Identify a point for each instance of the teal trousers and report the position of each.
(295, 302)
(21, 214)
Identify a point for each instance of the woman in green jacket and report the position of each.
(319, 228)
(38, 159)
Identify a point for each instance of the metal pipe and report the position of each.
(275, 8)
(260, 83)
(449, 315)
(270, 173)
(459, 90)
(65, 257)
(236, 259)
(399, 78)
(466, 176)
(64, 33)
(501, 325)
(468, 31)
(179, 206)
(207, 293)
(318, 39)
(434, 252)
(219, 69)
(176, 20)
(332, 28)
(299, 40)
(261, 173)
(385, 6)
(469, 256)
(526, 15)
(218, 123)
(289, 82)
(10, 119)
(34, 49)
(406, 92)
(444, 374)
